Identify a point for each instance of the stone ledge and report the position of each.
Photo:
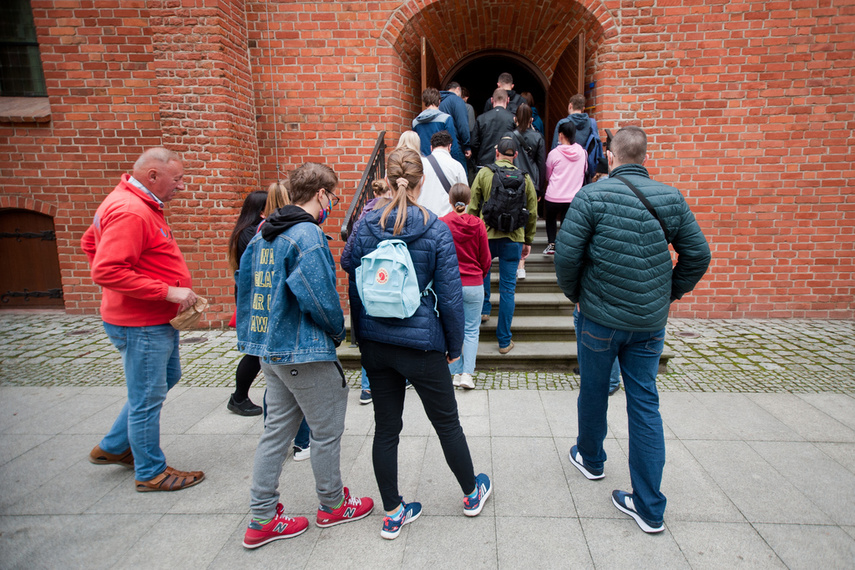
(24, 110)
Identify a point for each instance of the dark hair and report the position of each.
(308, 179)
(250, 215)
(459, 196)
(629, 145)
(464, 92)
(440, 138)
(568, 129)
(506, 78)
(577, 101)
(430, 97)
(528, 98)
(404, 168)
(523, 117)
(451, 85)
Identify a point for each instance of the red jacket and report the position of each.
(473, 249)
(134, 257)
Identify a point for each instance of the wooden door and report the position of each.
(30, 276)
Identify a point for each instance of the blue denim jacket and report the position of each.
(288, 309)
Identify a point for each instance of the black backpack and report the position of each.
(505, 209)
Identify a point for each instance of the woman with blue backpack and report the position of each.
(415, 345)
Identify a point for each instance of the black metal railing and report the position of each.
(375, 169)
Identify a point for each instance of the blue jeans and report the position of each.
(302, 437)
(365, 384)
(639, 354)
(152, 367)
(509, 254)
(614, 376)
(473, 298)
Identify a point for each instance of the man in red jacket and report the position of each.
(145, 283)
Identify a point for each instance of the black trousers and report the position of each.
(554, 211)
(389, 367)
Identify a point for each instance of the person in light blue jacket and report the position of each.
(289, 315)
(418, 348)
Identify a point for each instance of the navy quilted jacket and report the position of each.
(434, 257)
(611, 256)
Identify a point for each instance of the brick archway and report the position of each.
(541, 33)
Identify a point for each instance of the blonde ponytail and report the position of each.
(404, 166)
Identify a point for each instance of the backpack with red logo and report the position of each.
(387, 282)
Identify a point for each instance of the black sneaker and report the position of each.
(244, 408)
(579, 463)
(623, 501)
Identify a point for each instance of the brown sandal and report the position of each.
(171, 480)
(100, 457)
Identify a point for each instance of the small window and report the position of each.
(21, 72)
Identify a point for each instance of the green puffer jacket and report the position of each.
(611, 256)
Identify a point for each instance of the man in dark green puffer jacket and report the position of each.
(612, 258)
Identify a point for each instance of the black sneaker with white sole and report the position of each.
(579, 463)
(624, 503)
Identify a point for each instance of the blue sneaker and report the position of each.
(392, 527)
(472, 507)
(365, 397)
(579, 463)
(623, 501)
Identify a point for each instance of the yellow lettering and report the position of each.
(258, 302)
(268, 301)
(258, 324)
(266, 256)
(263, 278)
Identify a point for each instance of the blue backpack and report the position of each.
(387, 282)
(594, 148)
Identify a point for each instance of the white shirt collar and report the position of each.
(139, 185)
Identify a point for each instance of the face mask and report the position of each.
(325, 212)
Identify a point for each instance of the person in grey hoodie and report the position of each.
(580, 119)
(431, 121)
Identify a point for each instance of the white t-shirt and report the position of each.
(433, 196)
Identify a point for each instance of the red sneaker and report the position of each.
(278, 528)
(352, 509)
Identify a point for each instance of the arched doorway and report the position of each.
(555, 49)
(31, 276)
(478, 72)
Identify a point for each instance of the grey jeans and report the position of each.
(317, 390)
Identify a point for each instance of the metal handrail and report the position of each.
(375, 169)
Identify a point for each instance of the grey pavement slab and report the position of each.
(759, 420)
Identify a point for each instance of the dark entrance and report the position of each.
(479, 74)
(30, 277)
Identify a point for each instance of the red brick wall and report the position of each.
(749, 109)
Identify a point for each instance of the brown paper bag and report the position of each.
(187, 319)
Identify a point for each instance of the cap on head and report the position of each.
(507, 146)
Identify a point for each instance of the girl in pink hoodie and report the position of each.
(473, 257)
(565, 172)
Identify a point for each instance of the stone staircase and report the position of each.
(543, 333)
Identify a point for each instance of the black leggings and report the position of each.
(554, 211)
(247, 370)
(389, 366)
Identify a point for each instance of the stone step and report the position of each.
(536, 304)
(528, 356)
(533, 328)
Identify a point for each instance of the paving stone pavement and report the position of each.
(785, 355)
(759, 421)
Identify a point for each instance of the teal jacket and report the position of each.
(611, 256)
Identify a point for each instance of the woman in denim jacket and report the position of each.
(418, 348)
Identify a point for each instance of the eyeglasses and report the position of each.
(334, 200)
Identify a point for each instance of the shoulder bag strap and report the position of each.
(646, 203)
(439, 173)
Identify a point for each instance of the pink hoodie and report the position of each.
(565, 171)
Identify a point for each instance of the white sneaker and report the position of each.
(301, 454)
(521, 273)
(456, 380)
(466, 381)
